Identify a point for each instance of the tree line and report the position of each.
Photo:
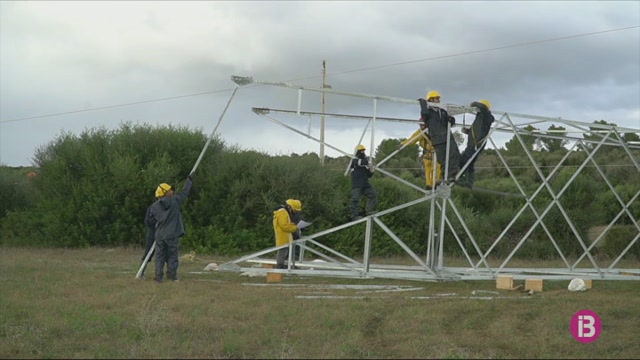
(93, 189)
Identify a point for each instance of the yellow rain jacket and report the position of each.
(283, 227)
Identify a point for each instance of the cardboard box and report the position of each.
(274, 277)
(504, 282)
(533, 284)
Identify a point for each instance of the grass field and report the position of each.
(57, 303)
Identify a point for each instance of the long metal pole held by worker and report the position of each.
(324, 85)
(195, 167)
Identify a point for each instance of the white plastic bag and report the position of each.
(577, 285)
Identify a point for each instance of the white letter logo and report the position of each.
(586, 322)
(585, 326)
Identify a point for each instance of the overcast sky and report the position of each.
(171, 62)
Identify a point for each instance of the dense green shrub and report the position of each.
(93, 190)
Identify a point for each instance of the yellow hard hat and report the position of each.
(360, 147)
(296, 205)
(162, 190)
(486, 102)
(432, 94)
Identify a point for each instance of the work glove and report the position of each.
(452, 120)
(479, 105)
(191, 176)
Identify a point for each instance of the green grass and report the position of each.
(57, 303)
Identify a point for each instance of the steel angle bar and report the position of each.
(334, 261)
(557, 203)
(226, 266)
(346, 171)
(625, 208)
(610, 225)
(373, 129)
(568, 138)
(303, 134)
(403, 245)
(564, 121)
(403, 181)
(339, 116)
(529, 200)
(468, 233)
(623, 252)
(367, 245)
(626, 148)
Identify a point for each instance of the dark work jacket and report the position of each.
(437, 120)
(166, 212)
(481, 124)
(360, 173)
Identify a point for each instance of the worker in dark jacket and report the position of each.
(476, 141)
(169, 227)
(360, 174)
(438, 121)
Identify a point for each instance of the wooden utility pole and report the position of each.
(324, 85)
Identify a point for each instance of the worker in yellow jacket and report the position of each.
(284, 227)
(421, 136)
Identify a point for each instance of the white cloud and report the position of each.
(67, 56)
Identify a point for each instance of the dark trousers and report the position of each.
(467, 154)
(454, 156)
(167, 251)
(372, 200)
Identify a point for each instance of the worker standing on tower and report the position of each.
(438, 121)
(476, 140)
(361, 171)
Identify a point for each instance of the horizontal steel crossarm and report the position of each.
(516, 129)
(564, 121)
(453, 109)
(305, 135)
(345, 116)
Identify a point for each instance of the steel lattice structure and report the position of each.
(431, 266)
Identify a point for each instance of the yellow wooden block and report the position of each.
(268, 266)
(274, 277)
(588, 283)
(504, 282)
(533, 284)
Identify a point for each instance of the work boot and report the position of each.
(464, 180)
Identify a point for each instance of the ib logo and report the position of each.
(586, 326)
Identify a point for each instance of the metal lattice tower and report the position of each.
(431, 266)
